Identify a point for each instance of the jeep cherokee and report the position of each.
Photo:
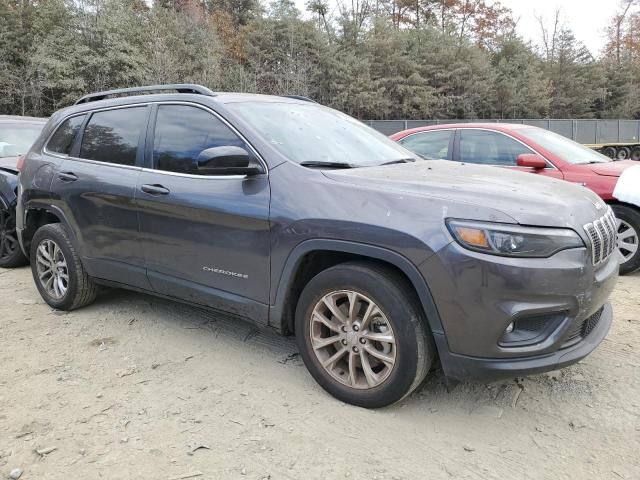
(295, 216)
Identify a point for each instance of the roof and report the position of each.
(218, 98)
(501, 127)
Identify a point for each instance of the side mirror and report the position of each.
(227, 160)
(531, 160)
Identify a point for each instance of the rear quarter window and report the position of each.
(62, 139)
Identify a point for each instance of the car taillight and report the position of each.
(20, 164)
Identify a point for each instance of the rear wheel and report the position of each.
(362, 336)
(628, 219)
(635, 154)
(11, 255)
(609, 152)
(57, 270)
(623, 153)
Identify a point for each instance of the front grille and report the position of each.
(583, 329)
(602, 233)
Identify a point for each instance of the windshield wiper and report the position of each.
(401, 160)
(314, 164)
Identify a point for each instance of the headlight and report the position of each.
(512, 240)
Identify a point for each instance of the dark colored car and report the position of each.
(298, 217)
(535, 150)
(16, 136)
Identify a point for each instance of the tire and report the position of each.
(609, 152)
(78, 290)
(408, 358)
(628, 236)
(11, 255)
(623, 153)
(635, 154)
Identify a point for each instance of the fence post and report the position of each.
(618, 130)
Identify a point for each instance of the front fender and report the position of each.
(365, 250)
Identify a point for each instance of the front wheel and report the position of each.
(362, 335)
(628, 220)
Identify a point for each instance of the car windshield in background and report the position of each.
(317, 136)
(17, 139)
(566, 149)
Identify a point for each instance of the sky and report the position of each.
(587, 18)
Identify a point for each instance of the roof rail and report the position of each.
(300, 97)
(179, 87)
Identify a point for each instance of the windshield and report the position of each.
(16, 140)
(566, 149)
(311, 134)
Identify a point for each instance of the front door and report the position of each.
(205, 238)
(487, 147)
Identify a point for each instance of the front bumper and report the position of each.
(462, 367)
(478, 296)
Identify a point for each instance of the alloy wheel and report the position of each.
(52, 269)
(8, 238)
(627, 240)
(352, 339)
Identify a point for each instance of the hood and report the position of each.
(9, 163)
(611, 169)
(526, 198)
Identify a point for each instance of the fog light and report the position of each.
(509, 328)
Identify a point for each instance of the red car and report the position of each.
(541, 152)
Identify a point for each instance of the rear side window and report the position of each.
(433, 144)
(112, 136)
(182, 132)
(489, 148)
(62, 139)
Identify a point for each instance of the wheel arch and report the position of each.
(615, 201)
(313, 256)
(37, 215)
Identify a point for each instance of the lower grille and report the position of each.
(583, 329)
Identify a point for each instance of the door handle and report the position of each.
(155, 190)
(67, 176)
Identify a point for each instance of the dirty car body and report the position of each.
(246, 244)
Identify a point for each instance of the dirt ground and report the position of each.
(134, 387)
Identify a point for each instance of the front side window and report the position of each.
(62, 140)
(112, 136)
(433, 144)
(489, 148)
(183, 132)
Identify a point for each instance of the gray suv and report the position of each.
(299, 218)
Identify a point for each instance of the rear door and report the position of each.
(205, 238)
(95, 187)
(488, 147)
